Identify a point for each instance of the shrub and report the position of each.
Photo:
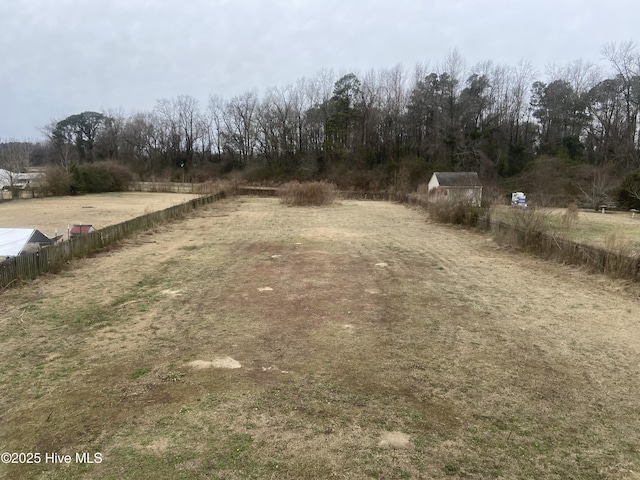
(629, 194)
(529, 226)
(309, 193)
(121, 176)
(101, 177)
(57, 181)
(459, 212)
(570, 217)
(621, 260)
(406, 176)
(530, 219)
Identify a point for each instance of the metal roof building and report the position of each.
(15, 241)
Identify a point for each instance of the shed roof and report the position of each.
(13, 241)
(81, 229)
(458, 179)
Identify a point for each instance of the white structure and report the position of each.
(518, 199)
(5, 178)
(455, 186)
(15, 241)
(19, 180)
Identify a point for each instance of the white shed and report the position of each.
(455, 186)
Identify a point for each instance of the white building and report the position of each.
(455, 186)
(19, 180)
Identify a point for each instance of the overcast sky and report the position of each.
(60, 57)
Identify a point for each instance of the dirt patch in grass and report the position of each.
(387, 347)
(394, 440)
(226, 362)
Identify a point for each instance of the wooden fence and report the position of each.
(550, 246)
(250, 190)
(618, 264)
(257, 191)
(342, 194)
(51, 258)
(164, 187)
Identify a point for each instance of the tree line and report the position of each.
(489, 118)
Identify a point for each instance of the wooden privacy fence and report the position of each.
(619, 264)
(47, 259)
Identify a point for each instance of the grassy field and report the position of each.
(255, 340)
(587, 226)
(53, 214)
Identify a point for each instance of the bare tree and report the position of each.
(67, 156)
(190, 124)
(277, 121)
(454, 65)
(300, 104)
(393, 104)
(142, 140)
(240, 125)
(316, 93)
(167, 131)
(64, 151)
(269, 136)
(109, 139)
(626, 61)
(580, 74)
(602, 183)
(215, 115)
(14, 162)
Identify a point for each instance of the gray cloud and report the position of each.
(64, 57)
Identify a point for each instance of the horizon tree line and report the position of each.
(488, 118)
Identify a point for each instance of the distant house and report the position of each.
(455, 186)
(28, 180)
(5, 178)
(16, 241)
(20, 181)
(80, 229)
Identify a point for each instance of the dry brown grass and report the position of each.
(458, 212)
(622, 260)
(308, 193)
(53, 214)
(386, 347)
(585, 226)
(607, 244)
(527, 228)
(570, 218)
